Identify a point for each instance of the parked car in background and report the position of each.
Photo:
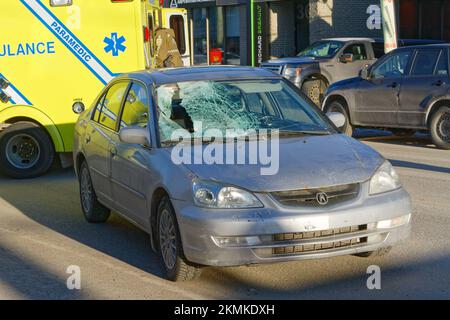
(331, 194)
(331, 60)
(406, 90)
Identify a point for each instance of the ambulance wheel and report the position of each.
(26, 151)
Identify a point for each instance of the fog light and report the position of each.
(392, 223)
(237, 241)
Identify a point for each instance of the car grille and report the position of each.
(309, 197)
(318, 235)
(319, 242)
(273, 67)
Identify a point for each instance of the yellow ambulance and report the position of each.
(56, 55)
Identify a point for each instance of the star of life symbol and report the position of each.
(114, 44)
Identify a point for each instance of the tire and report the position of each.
(26, 151)
(338, 106)
(93, 210)
(170, 246)
(403, 132)
(314, 89)
(377, 253)
(440, 128)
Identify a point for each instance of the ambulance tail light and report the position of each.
(146, 34)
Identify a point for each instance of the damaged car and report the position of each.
(228, 166)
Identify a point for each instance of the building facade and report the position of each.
(248, 32)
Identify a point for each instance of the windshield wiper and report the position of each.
(289, 133)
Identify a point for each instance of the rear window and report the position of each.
(111, 105)
(442, 65)
(425, 62)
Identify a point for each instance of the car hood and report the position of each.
(293, 60)
(351, 82)
(307, 162)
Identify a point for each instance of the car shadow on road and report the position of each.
(53, 201)
(343, 277)
(419, 166)
(35, 282)
(419, 140)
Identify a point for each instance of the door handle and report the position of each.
(392, 85)
(113, 151)
(439, 83)
(87, 138)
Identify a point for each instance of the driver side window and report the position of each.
(393, 66)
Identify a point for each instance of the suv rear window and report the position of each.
(425, 62)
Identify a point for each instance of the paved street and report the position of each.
(42, 232)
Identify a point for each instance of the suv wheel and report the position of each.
(26, 151)
(314, 89)
(93, 210)
(338, 106)
(170, 246)
(440, 128)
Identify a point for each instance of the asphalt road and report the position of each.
(42, 232)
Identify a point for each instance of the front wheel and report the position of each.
(338, 106)
(314, 89)
(440, 128)
(170, 246)
(26, 151)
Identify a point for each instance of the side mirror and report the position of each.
(347, 57)
(364, 73)
(135, 135)
(337, 118)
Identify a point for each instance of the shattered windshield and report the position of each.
(239, 105)
(322, 49)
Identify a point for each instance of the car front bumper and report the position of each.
(274, 234)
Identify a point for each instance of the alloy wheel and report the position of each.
(167, 239)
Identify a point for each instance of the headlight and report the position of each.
(214, 195)
(385, 179)
(290, 72)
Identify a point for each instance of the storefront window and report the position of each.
(431, 19)
(200, 47)
(409, 19)
(233, 29)
(217, 35)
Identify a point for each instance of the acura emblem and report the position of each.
(322, 198)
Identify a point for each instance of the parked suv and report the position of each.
(405, 91)
(331, 60)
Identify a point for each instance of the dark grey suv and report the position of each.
(404, 91)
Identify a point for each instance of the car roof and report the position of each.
(350, 39)
(213, 73)
(433, 45)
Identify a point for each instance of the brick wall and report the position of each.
(281, 29)
(343, 18)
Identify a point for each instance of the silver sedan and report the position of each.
(226, 166)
